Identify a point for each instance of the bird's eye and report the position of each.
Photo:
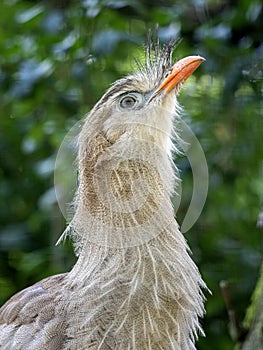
(127, 102)
(130, 100)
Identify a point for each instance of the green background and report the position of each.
(56, 60)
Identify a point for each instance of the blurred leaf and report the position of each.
(29, 14)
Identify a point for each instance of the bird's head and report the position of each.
(142, 105)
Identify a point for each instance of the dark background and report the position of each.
(56, 60)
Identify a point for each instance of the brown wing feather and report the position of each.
(30, 319)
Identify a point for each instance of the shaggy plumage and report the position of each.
(134, 286)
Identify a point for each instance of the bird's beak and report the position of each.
(178, 74)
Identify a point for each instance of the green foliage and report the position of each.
(58, 57)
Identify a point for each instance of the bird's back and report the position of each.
(31, 318)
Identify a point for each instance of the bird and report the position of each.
(134, 285)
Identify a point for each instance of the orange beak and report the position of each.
(179, 72)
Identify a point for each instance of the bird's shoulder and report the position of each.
(28, 304)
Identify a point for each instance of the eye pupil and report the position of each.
(128, 101)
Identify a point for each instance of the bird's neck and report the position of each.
(133, 272)
(124, 191)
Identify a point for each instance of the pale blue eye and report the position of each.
(130, 100)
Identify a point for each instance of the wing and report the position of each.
(30, 319)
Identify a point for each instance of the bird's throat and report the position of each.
(123, 191)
